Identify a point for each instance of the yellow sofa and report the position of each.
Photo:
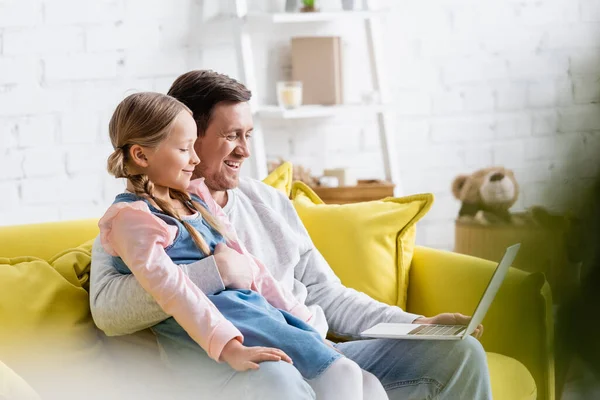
(518, 327)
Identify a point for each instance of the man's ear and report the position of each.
(198, 144)
(138, 156)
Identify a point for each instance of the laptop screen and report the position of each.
(492, 288)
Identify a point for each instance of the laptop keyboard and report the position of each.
(438, 330)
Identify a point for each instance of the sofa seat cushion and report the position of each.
(510, 379)
(368, 245)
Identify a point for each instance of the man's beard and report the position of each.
(218, 181)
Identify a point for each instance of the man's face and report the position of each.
(224, 146)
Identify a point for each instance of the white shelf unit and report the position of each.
(281, 18)
(248, 77)
(314, 111)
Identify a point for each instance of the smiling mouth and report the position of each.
(233, 164)
(188, 172)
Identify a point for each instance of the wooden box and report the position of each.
(543, 249)
(366, 190)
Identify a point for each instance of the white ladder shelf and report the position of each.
(245, 64)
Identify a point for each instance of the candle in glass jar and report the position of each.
(289, 94)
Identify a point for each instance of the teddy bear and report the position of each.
(486, 195)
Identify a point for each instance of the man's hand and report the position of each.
(234, 268)
(450, 319)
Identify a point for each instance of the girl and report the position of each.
(163, 220)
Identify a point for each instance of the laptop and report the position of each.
(449, 332)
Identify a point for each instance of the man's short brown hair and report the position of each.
(202, 90)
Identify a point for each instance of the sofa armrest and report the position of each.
(519, 322)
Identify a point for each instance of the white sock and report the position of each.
(345, 380)
(342, 380)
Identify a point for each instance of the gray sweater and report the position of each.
(269, 226)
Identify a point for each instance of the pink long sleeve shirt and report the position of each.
(132, 232)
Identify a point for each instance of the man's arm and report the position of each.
(121, 306)
(348, 312)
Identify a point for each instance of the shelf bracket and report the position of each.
(246, 75)
(385, 120)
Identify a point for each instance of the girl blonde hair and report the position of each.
(145, 119)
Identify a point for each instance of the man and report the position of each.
(268, 225)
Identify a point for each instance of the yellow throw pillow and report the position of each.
(281, 178)
(368, 245)
(46, 332)
(44, 307)
(74, 264)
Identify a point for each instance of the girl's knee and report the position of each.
(347, 369)
(372, 387)
(341, 380)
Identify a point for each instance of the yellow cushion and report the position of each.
(369, 245)
(45, 239)
(510, 379)
(281, 178)
(74, 264)
(45, 306)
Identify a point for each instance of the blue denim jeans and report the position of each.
(408, 369)
(424, 369)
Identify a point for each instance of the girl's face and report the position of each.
(172, 162)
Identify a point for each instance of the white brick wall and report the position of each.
(43, 40)
(39, 162)
(20, 13)
(14, 70)
(80, 67)
(520, 89)
(473, 83)
(64, 65)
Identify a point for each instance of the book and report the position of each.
(317, 63)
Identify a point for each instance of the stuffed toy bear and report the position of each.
(486, 195)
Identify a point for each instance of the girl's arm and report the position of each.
(130, 231)
(120, 306)
(263, 282)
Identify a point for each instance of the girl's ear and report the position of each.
(136, 152)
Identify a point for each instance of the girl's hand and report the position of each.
(242, 358)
